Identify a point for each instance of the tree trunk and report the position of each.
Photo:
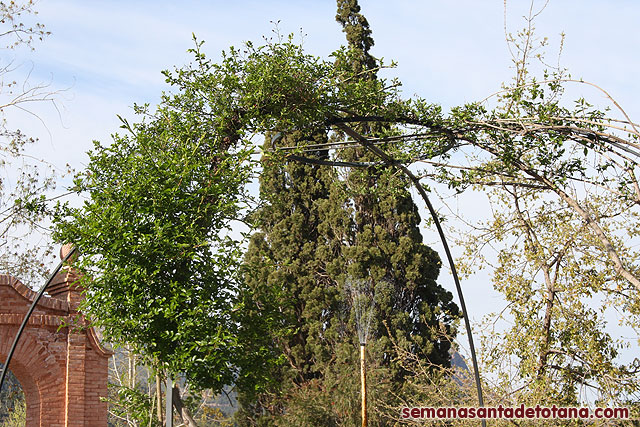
(546, 324)
(159, 398)
(187, 419)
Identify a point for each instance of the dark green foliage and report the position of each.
(292, 265)
(168, 282)
(160, 275)
(358, 34)
(387, 245)
(160, 200)
(318, 231)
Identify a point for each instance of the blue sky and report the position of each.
(107, 55)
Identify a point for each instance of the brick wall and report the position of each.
(63, 372)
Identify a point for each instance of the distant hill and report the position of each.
(458, 362)
(461, 368)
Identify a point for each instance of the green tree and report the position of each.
(562, 184)
(358, 34)
(386, 242)
(292, 263)
(160, 265)
(319, 231)
(160, 273)
(557, 290)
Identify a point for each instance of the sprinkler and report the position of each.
(363, 302)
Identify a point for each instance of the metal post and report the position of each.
(363, 381)
(169, 407)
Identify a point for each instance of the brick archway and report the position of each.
(63, 371)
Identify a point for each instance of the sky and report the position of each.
(107, 55)
(104, 56)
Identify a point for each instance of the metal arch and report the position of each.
(331, 162)
(5, 369)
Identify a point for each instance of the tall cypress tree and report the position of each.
(388, 246)
(319, 231)
(358, 34)
(292, 264)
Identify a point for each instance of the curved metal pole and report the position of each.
(5, 369)
(416, 182)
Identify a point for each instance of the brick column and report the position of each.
(75, 385)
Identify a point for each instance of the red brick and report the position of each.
(63, 374)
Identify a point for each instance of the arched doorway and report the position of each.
(63, 371)
(12, 405)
